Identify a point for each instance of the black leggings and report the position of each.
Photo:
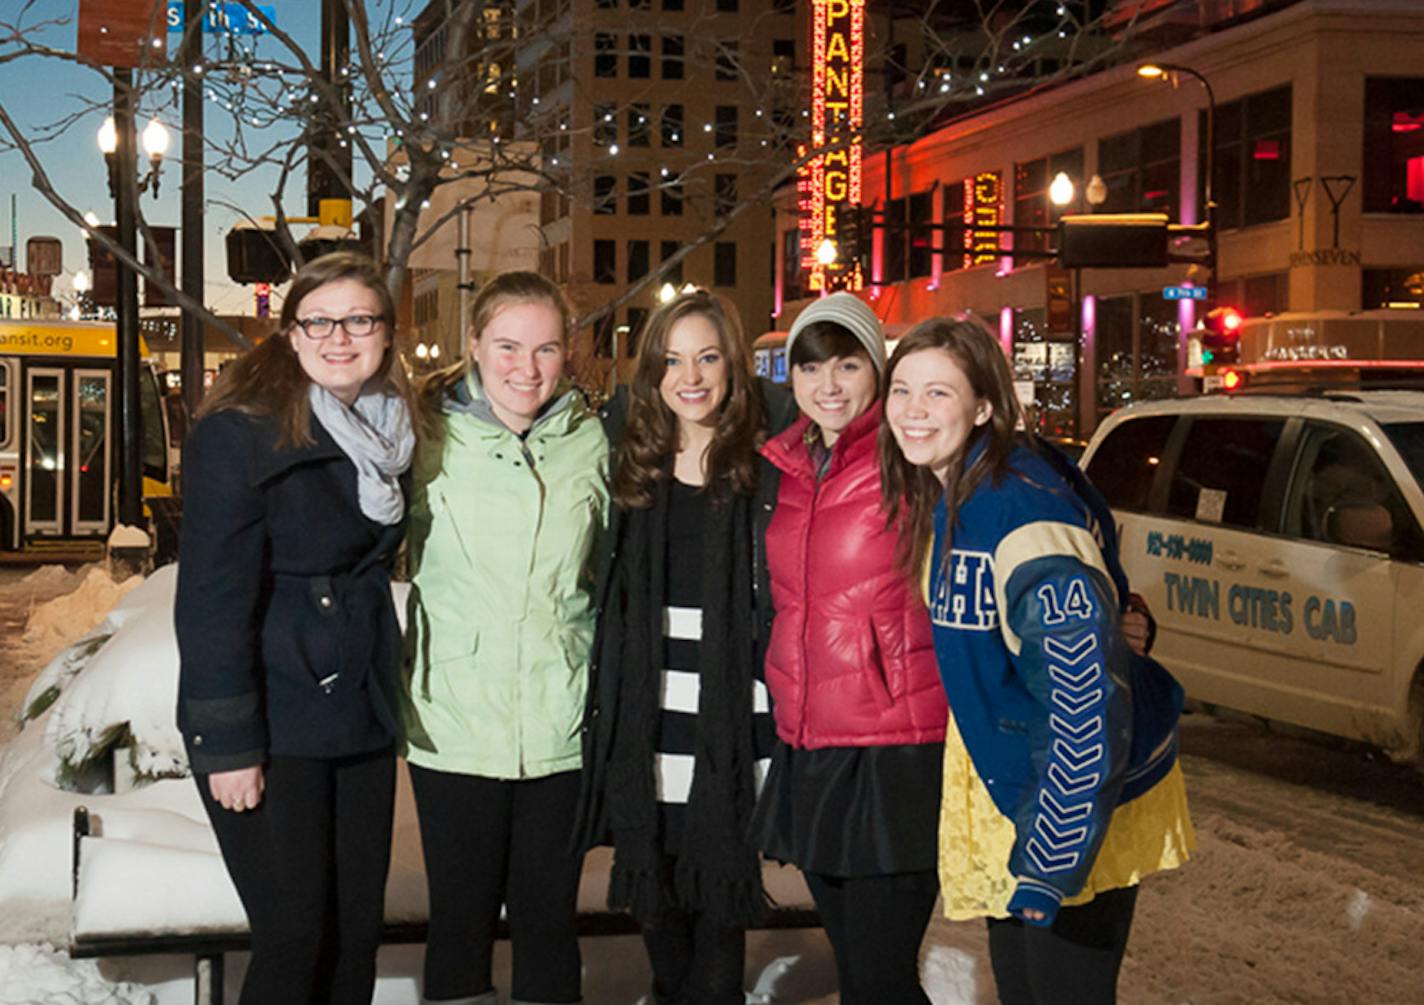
(1074, 962)
(876, 925)
(310, 866)
(488, 843)
(695, 959)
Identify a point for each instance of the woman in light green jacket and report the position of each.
(510, 495)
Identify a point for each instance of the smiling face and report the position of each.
(932, 409)
(695, 382)
(834, 392)
(520, 355)
(340, 363)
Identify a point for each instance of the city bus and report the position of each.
(59, 435)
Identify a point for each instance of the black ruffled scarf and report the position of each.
(718, 872)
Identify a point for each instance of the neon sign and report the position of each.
(831, 182)
(984, 207)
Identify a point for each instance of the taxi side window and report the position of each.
(1126, 461)
(1342, 494)
(1221, 473)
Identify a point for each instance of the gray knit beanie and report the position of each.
(852, 314)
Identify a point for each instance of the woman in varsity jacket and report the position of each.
(678, 726)
(1061, 788)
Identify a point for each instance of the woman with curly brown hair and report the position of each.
(678, 728)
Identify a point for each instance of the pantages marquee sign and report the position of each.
(830, 182)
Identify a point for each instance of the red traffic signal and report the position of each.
(1220, 335)
(1232, 380)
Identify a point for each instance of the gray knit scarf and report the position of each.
(376, 434)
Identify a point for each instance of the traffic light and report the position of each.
(1113, 241)
(1220, 336)
(1232, 380)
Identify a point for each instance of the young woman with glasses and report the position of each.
(292, 513)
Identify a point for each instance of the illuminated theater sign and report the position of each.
(831, 182)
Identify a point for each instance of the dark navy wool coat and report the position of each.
(287, 633)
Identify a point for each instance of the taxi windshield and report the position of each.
(1408, 439)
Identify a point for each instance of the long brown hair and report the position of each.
(910, 492)
(651, 437)
(269, 380)
(505, 290)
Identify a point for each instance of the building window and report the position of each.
(1033, 207)
(1254, 296)
(605, 55)
(640, 56)
(605, 194)
(1051, 364)
(724, 263)
(893, 242)
(672, 57)
(637, 260)
(783, 6)
(726, 61)
(921, 234)
(1142, 169)
(725, 127)
(724, 193)
(1251, 177)
(607, 4)
(605, 125)
(672, 4)
(672, 125)
(666, 249)
(640, 128)
(639, 199)
(791, 265)
(1136, 340)
(605, 261)
(783, 57)
(1392, 287)
(640, 4)
(1394, 145)
(726, 6)
(603, 336)
(955, 241)
(672, 198)
(637, 318)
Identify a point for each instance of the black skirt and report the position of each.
(852, 811)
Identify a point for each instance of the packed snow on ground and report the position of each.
(1296, 896)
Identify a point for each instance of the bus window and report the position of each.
(155, 427)
(4, 404)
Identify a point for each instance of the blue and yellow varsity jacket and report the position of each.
(1063, 723)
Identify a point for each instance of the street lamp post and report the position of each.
(1062, 192)
(117, 141)
(1171, 72)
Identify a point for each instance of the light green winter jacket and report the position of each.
(502, 537)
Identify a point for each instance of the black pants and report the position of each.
(695, 960)
(489, 843)
(1074, 962)
(876, 925)
(310, 866)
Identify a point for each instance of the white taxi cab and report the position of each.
(1278, 541)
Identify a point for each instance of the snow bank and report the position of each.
(58, 622)
(127, 691)
(37, 975)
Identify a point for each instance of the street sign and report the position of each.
(223, 19)
(1184, 293)
(116, 32)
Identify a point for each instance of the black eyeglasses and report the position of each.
(355, 325)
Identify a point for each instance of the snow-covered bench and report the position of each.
(134, 896)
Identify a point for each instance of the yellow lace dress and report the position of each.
(1150, 834)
